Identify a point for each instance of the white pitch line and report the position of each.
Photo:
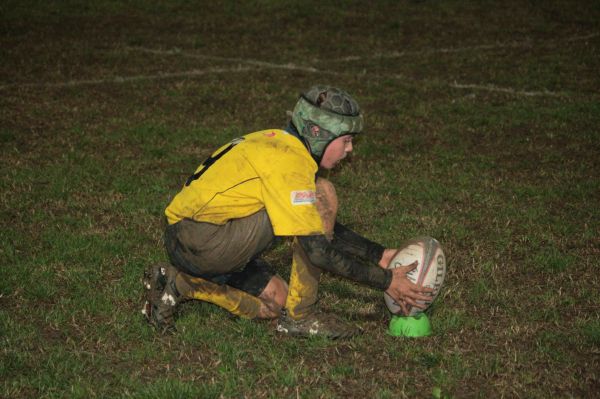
(126, 79)
(249, 61)
(398, 54)
(506, 90)
(492, 46)
(309, 69)
(584, 37)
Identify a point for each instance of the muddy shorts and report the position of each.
(225, 254)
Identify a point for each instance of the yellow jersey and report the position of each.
(269, 169)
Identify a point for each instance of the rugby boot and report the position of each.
(316, 324)
(162, 297)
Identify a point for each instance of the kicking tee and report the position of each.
(269, 169)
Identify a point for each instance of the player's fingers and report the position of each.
(406, 268)
(420, 288)
(412, 266)
(420, 297)
(403, 306)
(414, 303)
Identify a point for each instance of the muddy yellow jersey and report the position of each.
(270, 169)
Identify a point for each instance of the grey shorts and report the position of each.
(225, 254)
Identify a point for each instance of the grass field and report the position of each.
(483, 130)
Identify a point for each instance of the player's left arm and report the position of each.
(325, 256)
(350, 242)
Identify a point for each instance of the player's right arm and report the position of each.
(322, 254)
(404, 291)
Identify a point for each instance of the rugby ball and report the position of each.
(430, 272)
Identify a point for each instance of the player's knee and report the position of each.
(275, 292)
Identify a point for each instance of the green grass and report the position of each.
(502, 170)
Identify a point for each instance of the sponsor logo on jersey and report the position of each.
(303, 197)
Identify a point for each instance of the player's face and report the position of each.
(336, 151)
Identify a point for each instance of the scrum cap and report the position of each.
(323, 114)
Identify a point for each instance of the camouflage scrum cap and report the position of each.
(323, 114)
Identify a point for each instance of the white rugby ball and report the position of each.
(430, 272)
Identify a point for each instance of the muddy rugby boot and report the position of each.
(316, 324)
(161, 297)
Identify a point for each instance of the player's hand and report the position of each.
(404, 291)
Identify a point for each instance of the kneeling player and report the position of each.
(253, 190)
